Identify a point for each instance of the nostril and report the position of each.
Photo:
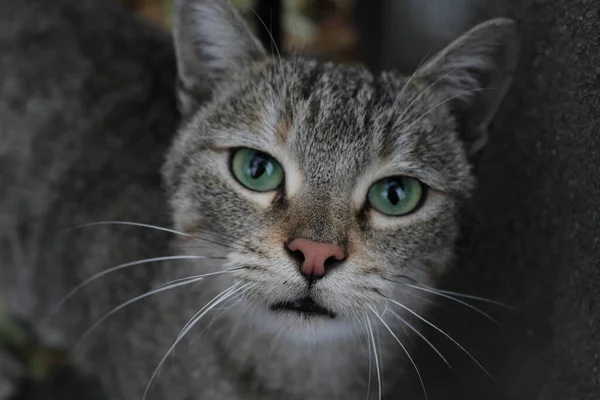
(332, 262)
(296, 255)
(294, 252)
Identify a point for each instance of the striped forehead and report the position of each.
(333, 123)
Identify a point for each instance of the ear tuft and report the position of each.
(212, 41)
(475, 72)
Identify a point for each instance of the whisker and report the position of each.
(270, 35)
(77, 288)
(190, 323)
(248, 310)
(408, 278)
(370, 361)
(421, 298)
(422, 93)
(416, 71)
(138, 298)
(381, 355)
(138, 224)
(445, 334)
(224, 292)
(195, 319)
(183, 332)
(405, 322)
(225, 306)
(376, 356)
(469, 296)
(464, 303)
(403, 348)
(441, 104)
(223, 236)
(208, 275)
(159, 228)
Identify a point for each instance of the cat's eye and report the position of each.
(396, 196)
(256, 170)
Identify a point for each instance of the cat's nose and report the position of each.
(315, 256)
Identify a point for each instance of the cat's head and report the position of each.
(332, 189)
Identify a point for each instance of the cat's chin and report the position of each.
(301, 321)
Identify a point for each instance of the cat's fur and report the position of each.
(86, 144)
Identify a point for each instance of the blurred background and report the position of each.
(382, 34)
(321, 27)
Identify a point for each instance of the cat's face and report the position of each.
(332, 188)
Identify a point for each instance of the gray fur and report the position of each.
(335, 129)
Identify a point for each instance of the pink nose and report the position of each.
(315, 255)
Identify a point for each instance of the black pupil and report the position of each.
(395, 192)
(258, 165)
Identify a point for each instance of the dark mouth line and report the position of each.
(305, 306)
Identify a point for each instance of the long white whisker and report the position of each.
(376, 356)
(159, 228)
(421, 298)
(441, 104)
(221, 236)
(464, 303)
(77, 288)
(409, 80)
(195, 319)
(370, 361)
(270, 35)
(421, 94)
(219, 310)
(142, 225)
(445, 334)
(235, 326)
(192, 277)
(403, 348)
(186, 328)
(381, 355)
(467, 296)
(189, 324)
(152, 292)
(225, 292)
(405, 322)
(225, 306)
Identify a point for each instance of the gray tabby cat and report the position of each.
(313, 205)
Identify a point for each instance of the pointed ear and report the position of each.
(474, 72)
(211, 42)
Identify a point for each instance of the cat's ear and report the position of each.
(211, 42)
(474, 73)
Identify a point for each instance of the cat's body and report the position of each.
(87, 143)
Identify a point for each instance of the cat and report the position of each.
(306, 209)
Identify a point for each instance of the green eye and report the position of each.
(256, 170)
(396, 196)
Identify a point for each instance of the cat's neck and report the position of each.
(277, 366)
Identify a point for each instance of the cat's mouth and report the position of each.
(305, 306)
